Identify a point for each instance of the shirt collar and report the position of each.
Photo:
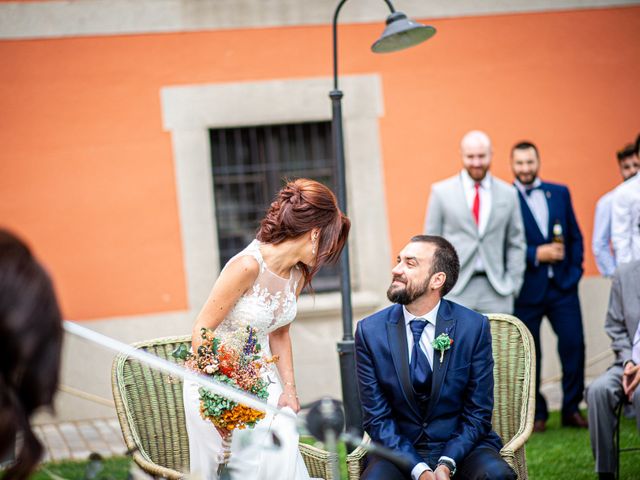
(429, 317)
(523, 188)
(469, 182)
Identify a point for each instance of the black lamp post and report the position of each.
(399, 33)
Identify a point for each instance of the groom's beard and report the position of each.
(404, 295)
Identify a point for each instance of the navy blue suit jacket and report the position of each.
(458, 415)
(566, 273)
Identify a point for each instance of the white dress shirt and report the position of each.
(427, 334)
(537, 203)
(625, 221)
(426, 346)
(601, 242)
(469, 187)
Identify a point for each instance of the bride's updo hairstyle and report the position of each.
(300, 206)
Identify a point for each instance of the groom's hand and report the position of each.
(442, 473)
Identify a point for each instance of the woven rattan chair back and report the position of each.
(514, 387)
(151, 414)
(150, 409)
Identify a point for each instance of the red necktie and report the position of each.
(476, 205)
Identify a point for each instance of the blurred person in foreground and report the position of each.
(30, 346)
(628, 163)
(620, 382)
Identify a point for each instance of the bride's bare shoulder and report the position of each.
(244, 265)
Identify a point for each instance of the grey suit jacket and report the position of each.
(502, 246)
(623, 313)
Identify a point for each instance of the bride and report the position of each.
(302, 230)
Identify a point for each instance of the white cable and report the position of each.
(162, 364)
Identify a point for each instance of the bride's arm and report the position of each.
(234, 280)
(280, 343)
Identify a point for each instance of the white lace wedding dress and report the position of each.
(269, 305)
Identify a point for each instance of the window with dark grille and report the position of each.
(250, 164)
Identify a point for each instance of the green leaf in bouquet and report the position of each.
(181, 352)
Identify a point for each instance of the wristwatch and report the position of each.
(449, 464)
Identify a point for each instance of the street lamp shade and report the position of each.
(401, 33)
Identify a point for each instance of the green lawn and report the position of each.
(566, 452)
(556, 453)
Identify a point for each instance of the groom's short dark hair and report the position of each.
(445, 259)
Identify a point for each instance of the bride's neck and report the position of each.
(281, 258)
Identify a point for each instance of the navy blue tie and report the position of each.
(529, 190)
(419, 366)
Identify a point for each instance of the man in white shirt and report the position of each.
(480, 215)
(625, 219)
(628, 163)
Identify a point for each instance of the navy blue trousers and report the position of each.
(482, 463)
(562, 308)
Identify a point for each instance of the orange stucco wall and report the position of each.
(86, 172)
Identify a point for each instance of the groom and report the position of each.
(433, 408)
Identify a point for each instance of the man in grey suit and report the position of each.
(620, 382)
(480, 215)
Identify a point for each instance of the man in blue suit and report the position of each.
(425, 372)
(554, 268)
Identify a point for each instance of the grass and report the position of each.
(113, 468)
(554, 454)
(566, 452)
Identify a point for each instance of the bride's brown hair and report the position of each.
(300, 206)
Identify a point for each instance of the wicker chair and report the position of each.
(150, 411)
(514, 393)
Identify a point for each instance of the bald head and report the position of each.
(475, 148)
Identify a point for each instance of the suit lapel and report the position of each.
(553, 213)
(495, 199)
(397, 335)
(444, 324)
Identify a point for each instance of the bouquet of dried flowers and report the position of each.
(237, 361)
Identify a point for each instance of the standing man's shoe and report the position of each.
(606, 476)
(575, 420)
(539, 426)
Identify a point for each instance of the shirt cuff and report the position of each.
(449, 459)
(418, 470)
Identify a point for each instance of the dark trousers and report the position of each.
(563, 311)
(482, 463)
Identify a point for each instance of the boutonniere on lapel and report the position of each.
(442, 343)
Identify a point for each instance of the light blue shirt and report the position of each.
(601, 242)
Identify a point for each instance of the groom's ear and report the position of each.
(437, 280)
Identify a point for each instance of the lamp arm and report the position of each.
(335, 38)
